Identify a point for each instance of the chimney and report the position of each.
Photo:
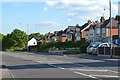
(102, 19)
(89, 21)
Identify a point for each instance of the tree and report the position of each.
(1, 37)
(35, 35)
(17, 40)
(7, 42)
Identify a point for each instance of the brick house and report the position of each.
(94, 31)
(118, 19)
(100, 31)
(105, 29)
(73, 33)
(61, 36)
(84, 31)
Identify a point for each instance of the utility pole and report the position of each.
(110, 30)
(27, 38)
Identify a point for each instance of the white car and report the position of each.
(92, 48)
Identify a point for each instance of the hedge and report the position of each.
(45, 46)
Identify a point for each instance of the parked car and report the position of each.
(116, 41)
(92, 48)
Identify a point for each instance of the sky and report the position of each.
(45, 16)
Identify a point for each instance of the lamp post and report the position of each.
(110, 30)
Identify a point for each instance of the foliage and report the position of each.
(53, 48)
(17, 40)
(78, 45)
(1, 37)
(83, 47)
(35, 35)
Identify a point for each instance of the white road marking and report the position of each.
(39, 61)
(113, 71)
(105, 76)
(90, 70)
(56, 66)
(102, 70)
(53, 65)
(62, 68)
(85, 75)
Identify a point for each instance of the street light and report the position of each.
(110, 30)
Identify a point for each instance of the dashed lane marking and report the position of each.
(96, 70)
(110, 76)
(86, 75)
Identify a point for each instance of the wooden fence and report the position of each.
(106, 51)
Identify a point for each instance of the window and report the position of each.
(34, 43)
(104, 45)
(98, 31)
(103, 30)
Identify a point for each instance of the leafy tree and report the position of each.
(7, 42)
(35, 35)
(17, 40)
(1, 37)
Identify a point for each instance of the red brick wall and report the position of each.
(83, 35)
(63, 38)
(114, 32)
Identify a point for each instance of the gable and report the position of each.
(32, 42)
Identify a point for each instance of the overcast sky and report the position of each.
(51, 15)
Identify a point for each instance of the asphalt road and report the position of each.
(30, 65)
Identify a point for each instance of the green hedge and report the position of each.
(45, 46)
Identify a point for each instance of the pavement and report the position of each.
(5, 72)
(31, 65)
(97, 57)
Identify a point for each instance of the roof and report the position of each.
(56, 32)
(117, 18)
(83, 26)
(52, 35)
(107, 23)
(72, 28)
(60, 33)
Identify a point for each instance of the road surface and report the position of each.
(31, 65)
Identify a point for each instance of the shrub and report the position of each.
(78, 45)
(83, 47)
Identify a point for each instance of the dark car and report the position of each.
(116, 41)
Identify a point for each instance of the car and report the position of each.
(92, 48)
(116, 41)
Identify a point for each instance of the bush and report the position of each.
(53, 48)
(78, 45)
(83, 47)
(9, 50)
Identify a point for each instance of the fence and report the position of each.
(106, 51)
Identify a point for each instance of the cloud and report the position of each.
(51, 3)
(46, 8)
(47, 24)
(69, 19)
(82, 9)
